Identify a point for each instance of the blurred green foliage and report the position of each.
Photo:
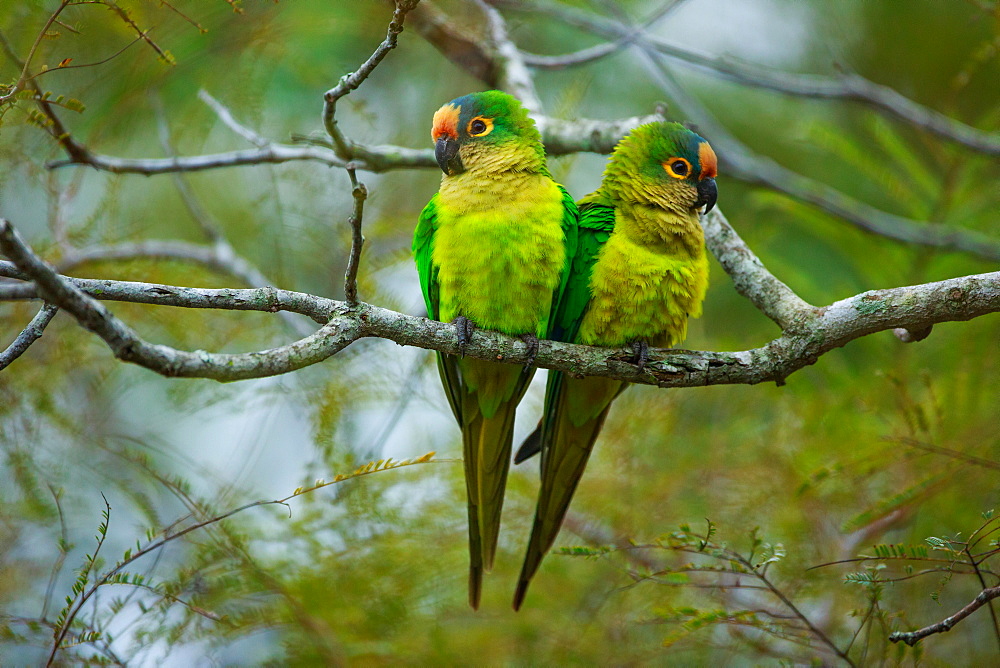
(372, 570)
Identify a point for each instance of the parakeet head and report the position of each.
(664, 164)
(487, 131)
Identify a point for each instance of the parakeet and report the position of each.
(639, 272)
(492, 249)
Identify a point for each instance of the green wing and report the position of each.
(597, 221)
(595, 226)
(566, 440)
(423, 250)
(570, 227)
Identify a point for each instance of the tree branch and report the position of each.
(272, 154)
(561, 137)
(816, 331)
(343, 146)
(514, 76)
(911, 638)
(845, 86)
(750, 278)
(217, 257)
(441, 32)
(29, 335)
(598, 51)
(752, 168)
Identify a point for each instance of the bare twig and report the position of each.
(360, 194)
(28, 335)
(230, 121)
(272, 154)
(343, 146)
(913, 637)
(598, 51)
(815, 333)
(561, 137)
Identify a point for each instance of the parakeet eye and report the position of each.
(479, 126)
(679, 168)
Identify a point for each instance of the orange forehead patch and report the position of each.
(709, 163)
(445, 122)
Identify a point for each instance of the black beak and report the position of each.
(707, 194)
(446, 154)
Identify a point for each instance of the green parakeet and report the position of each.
(492, 249)
(639, 272)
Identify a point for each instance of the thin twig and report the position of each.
(343, 146)
(24, 77)
(360, 194)
(74, 610)
(982, 583)
(373, 467)
(598, 51)
(561, 137)
(230, 121)
(816, 631)
(947, 452)
(272, 154)
(911, 638)
(28, 335)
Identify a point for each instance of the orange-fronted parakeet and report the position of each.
(492, 249)
(639, 272)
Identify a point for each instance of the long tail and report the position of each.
(489, 401)
(575, 410)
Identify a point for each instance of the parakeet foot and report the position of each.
(531, 341)
(464, 329)
(640, 352)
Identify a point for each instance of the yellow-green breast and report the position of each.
(649, 277)
(500, 250)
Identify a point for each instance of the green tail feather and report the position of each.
(568, 438)
(487, 402)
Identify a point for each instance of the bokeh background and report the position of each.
(373, 570)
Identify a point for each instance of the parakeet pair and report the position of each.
(501, 246)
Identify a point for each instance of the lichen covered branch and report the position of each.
(816, 331)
